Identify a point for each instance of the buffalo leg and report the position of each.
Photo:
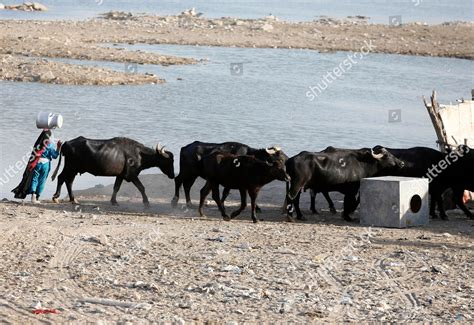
(438, 199)
(458, 199)
(118, 183)
(312, 194)
(332, 208)
(296, 203)
(433, 202)
(141, 188)
(253, 193)
(350, 204)
(243, 203)
(225, 194)
(177, 184)
(203, 194)
(69, 181)
(217, 199)
(187, 184)
(61, 179)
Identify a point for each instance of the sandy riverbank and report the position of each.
(170, 265)
(83, 40)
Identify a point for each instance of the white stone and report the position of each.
(397, 202)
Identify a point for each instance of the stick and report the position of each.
(115, 303)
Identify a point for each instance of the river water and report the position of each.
(431, 11)
(260, 101)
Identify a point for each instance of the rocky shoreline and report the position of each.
(26, 6)
(83, 39)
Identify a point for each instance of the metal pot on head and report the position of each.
(45, 120)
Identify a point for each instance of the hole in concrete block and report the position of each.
(415, 203)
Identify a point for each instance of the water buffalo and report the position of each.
(191, 166)
(242, 172)
(457, 174)
(121, 157)
(339, 170)
(420, 162)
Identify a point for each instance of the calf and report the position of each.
(242, 172)
(191, 166)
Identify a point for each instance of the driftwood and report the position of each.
(433, 111)
(115, 303)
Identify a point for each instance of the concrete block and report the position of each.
(396, 202)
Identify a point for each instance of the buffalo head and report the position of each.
(272, 154)
(385, 159)
(165, 161)
(278, 170)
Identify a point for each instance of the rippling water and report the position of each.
(265, 105)
(431, 11)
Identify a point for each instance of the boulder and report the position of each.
(267, 27)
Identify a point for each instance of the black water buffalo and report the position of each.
(121, 157)
(339, 170)
(421, 162)
(242, 172)
(457, 173)
(191, 166)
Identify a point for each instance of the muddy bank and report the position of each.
(84, 39)
(15, 68)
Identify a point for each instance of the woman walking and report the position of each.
(38, 168)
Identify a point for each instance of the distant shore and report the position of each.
(24, 42)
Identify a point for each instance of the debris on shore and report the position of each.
(26, 6)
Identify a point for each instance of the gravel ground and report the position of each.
(95, 262)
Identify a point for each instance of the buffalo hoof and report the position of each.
(55, 200)
(290, 219)
(146, 204)
(444, 217)
(189, 205)
(226, 218)
(254, 220)
(257, 209)
(314, 211)
(333, 210)
(235, 214)
(347, 218)
(114, 203)
(174, 202)
(302, 218)
(75, 202)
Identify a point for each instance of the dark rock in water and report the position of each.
(118, 15)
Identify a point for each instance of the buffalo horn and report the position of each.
(377, 156)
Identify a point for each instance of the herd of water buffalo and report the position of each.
(235, 165)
